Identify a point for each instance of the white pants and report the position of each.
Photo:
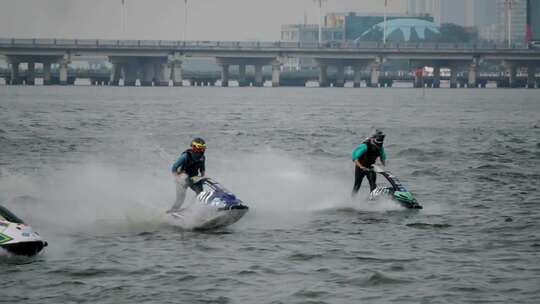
(182, 184)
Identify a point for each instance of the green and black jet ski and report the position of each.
(16, 237)
(396, 191)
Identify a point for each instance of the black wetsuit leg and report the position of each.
(372, 179)
(358, 177)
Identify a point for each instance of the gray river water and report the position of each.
(88, 167)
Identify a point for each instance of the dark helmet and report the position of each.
(198, 145)
(378, 137)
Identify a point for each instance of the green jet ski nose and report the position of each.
(405, 197)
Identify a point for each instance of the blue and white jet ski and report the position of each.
(396, 191)
(214, 207)
(16, 237)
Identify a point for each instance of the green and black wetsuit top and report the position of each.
(367, 153)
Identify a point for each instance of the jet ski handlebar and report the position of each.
(198, 179)
(375, 169)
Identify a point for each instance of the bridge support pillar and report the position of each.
(512, 75)
(531, 76)
(224, 75)
(436, 77)
(357, 76)
(148, 73)
(31, 74)
(375, 71)
(340, 80)
(258, 75)
(116, 73)
(130, 74)
(472, 75)
(14, 73)
(63, 70)
(323, 75)
(176, 73)
(276, 68)
(419, 77)
(453, 77)
(47, 73)
(242, 75)
(164, 74)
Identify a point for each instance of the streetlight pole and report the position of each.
(320, 19)
(385, 18)
(509, 3)
(185, 20)
(123, 17)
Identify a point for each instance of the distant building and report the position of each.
(426, 8)
(533, 20)
(488, 33)
(310, 33)
(340, 27)
(512, 21)
(357, 25)
(479, 13)
(403, 29)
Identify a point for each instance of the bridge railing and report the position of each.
(170, 44)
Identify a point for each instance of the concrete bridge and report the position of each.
(156, 62)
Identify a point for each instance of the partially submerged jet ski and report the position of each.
(215, 207)
(16, 237)
(396, 191)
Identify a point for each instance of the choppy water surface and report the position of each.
(89, 169)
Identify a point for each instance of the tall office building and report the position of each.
(485, 12)
(426, 7)
(512, 21)
(533, 20)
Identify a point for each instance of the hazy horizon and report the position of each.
(164, 19)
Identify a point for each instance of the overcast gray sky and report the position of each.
(163, 19)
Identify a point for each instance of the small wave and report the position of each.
(480, 206)
(379, 279)
(88, 273)
(303, 256)
(428, 226)
(497, 167)
(383, 260)
(376, 279)
(311, 294)
(425, 172)
(465, 289)
(411, 152)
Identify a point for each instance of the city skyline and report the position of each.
(207, 20)
(163, 19)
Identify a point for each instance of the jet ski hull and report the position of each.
(219, 219)
(25, 248)
(214, 208)
(18, 238)
(397, 192)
